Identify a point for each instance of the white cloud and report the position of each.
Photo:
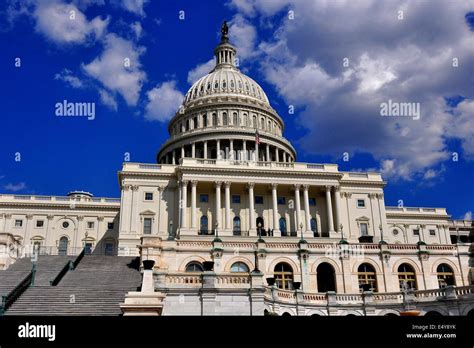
(134, 6)
(107, 99)
(66, 76)
(468, 215)
(137, 30)
(118, 68)
(201, 70)
(405, 61)
(65, 23)
(243, 36)
(15, 187)
(163, 101)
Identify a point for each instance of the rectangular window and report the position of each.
(18, 223)
(90, 224)
(416, 232)
(204, 198)
(312, 201)
(281, 200)
(148, 196)
(236, 199)
(258, 199)
(364, 231)
(110, 225)
(360, 203)
(39, 223)
(147, 226)
(432, 233)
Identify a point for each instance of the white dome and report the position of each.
(225, 81)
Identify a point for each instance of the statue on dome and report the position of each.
(224, 32)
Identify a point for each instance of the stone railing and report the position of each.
(420, 210)
(69, 200)
(183, 279)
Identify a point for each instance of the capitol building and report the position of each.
(228, 222)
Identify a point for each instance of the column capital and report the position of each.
(161, 188)
(250, 185)
(274, 185)
(227, 184)
(328, 187)
(134, 187)
(184, 183)
(217, 184)
(372, 195)
(296, 187)
(305, 187)
(194, 183)
(422, 226)
(380, 195)
(8, 216)
(29, 216)
(79, 217)
(100, 218)
(337, 188)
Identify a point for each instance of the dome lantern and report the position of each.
(225, 52)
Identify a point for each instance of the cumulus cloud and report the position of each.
(201, 70)
(67, 76)
(243, 36)
(107, 99)
(133, 6)
(409, 60)
(163, 101)
(118, 68)
(468, 215)
(65, 23)
(14, 187)
(137, 29)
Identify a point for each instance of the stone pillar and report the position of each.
(337, 197)
(193, 150)
(252, 222)
(308, 232)
(217, 222)
(228, 225)
(277, 155)
(218, 147)
(257, 294)
(329, 209)
(182, 151)
(267, 153)
(173, 160)
(256, 152)
(231, 149)
(298, 208)
(205, 149)
(184, 193)
(276, 227)
(244, 144)
(134, 210)
(284, 156)
(193, 204)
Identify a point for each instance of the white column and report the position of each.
(205, 149)
(256, 152)
(276, 226)
(173, 161)
(329, 209)
(193, 150)
(284, 156)
(184, 203)
(245, 150)
(231, 154)
(193, 204)
(298, 207)
(227, 206)
(337, 215)
(268, 153)
(182, 151)
(277, 155)
(309, 233)
(134, 209)
(252, 222)
(218, 155)
(217, 222)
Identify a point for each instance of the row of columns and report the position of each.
(171, 157)
(252, 221)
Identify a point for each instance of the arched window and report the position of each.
(406, 275)
(239, 267)
(214, 119)
(236, 120)
(314, 226)
(366, 276)
(283, 226)
(262, 124)
(187, 124)
(204, 225)
(236, 226)
(326, 277)
(194, 266)
(445, 275)
(283, 274)
(255, 125)
(195, 122)
(63, 245)
(224, 118)
(204, 120)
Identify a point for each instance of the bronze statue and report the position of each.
(224, 31)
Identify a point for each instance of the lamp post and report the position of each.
(217, 231)
(381, 234)
(301, 230)
(85, 241)
(259, 230)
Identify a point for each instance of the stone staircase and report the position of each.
(95, 288)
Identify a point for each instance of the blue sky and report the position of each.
(294, 49)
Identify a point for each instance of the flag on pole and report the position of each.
(257, 137)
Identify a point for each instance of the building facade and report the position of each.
(228, 189)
